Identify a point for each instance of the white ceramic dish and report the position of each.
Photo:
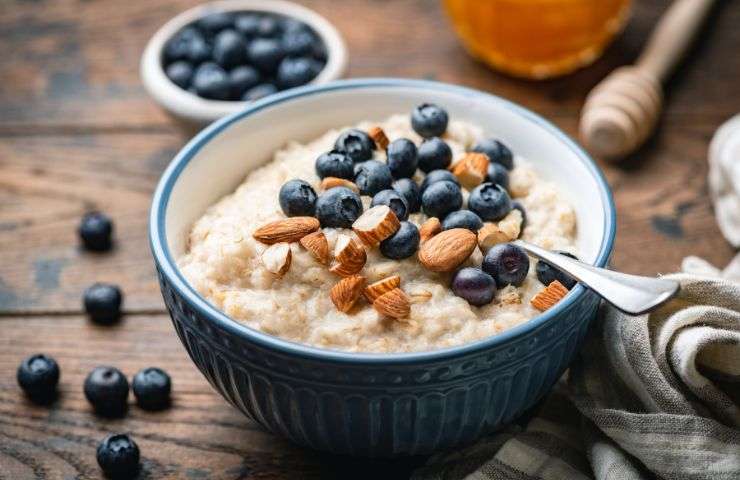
(200, 111)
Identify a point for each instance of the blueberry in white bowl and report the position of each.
(434, 154)
(338, 207)
(438, 176)
(403, 243)
(394, 200)
(507, 264)
(372, 176)
(474, 285)
(402, 158)
(496, 151)
(429, 120)
(410, 192)
(462, 219)
(441, 198)
(489, 201)
(356, 144)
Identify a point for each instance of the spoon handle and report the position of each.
(632, 294)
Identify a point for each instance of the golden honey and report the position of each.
(537, 38)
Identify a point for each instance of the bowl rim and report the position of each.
(167, 265)
(188, 105)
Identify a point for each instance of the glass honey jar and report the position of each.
(537, 39)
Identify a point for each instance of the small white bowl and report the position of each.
(200, 111)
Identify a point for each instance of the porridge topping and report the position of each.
(420, 238)
(549, 296)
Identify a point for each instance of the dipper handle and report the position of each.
(620, 113)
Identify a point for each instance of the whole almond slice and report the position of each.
(317, 245)
(375, 225)
(549, 296)
(350, 256)
(395, 304)
(471, 170)
(347, 291)
(331, 182)
(446, 250)
(276, 258)
(376, 289)
(287, 230)
(379, 136)
(429, 229)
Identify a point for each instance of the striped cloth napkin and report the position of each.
(654, 396)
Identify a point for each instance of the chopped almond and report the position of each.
(429, 229)
(346, 292)
(350, 256)
(374, 290)
(549, 296)
(471, 170)
(393, 304)
(276, 258)
(379, 136)
(331, 182)
(375, 225)
(317, 245)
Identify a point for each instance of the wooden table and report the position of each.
(77, 132)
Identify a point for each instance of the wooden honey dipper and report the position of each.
(620, 113)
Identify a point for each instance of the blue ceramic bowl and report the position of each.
(373, 404)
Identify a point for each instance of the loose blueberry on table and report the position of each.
(106, 388)
(102, 303)
(38, 376)
(243, 56)
(95, 231)
(152, 387)
(118, 457)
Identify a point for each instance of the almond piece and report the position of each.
(420, 296)
(276, 258)
(347, 291)
(446, 250)
(549, 296)
(374, 290)
(331, 182)
(375, 225)
(429, 229)
(287, 230)
(317, 246)
(471, 170)
(393, 304)
(379, 136)
(505, 230)
(350, 256)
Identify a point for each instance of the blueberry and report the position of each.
(96, 230)
(260, 91)
(357, 144)
(434, 154)
(497, 152)
(490, 202)
(409, 190)
(215, 22)
(462, 219)
(38, 376)
(106, 388)
(199, 51)
(320, 52)
(547, 273)
(474, 285)
(438, 176)
(372, 176)
(229, 49)
(498, 174)
(507, 264)
(335, 164)
(517, 205)
(118, 456)
(179, 46)
(401, 244)
(394, 201)
(241, 79)
(290, 25)
(180, 73)
(441, 198)
(152, 388)
(211, 81)
(294, 72)
(429, 120)
(265, 54)
(402, 158)
(297, 199)
(268, 26)
(103, 303)
(247, 24)
(298, 42)
(338, 207)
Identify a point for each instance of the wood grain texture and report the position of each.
(78, 132)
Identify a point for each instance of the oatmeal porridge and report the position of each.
(346, 243)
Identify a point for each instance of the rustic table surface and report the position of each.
(77, 132)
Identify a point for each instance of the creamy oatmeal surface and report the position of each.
(223, 261)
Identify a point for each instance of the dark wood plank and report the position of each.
(200, 436)
(72, 63)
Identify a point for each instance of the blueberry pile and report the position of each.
(393, 183)
(243, 56)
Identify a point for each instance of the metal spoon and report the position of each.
(632, 294)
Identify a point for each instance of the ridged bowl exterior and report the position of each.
(382, 410)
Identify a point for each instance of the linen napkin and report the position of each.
(649, 396)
